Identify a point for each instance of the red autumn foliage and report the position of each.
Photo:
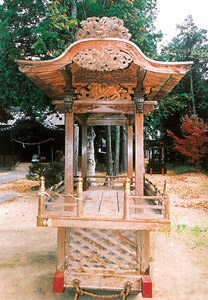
(194, 138)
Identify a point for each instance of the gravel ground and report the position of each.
(28, 254)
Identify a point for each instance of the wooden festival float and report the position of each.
(103, 239)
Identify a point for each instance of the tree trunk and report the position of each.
(109, 162)
(73, 9)
(123, 164)
(192, 92)
(117, 151)
(74, 16)
(90, 152)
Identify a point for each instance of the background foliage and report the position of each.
(44, 29)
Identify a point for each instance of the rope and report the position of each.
(38, 143)
(57, 194)
(124, 293)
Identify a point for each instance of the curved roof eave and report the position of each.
(138, 56)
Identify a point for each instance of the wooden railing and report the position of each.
(48, 199)
(141, 206)
(154, 205)
(106, 180)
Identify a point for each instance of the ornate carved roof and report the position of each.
(104, 68)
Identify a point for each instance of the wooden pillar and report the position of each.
(61, 240)
(145, 255)
(79, 197)
(130, 152)
(84, 156)
(139, 183)
(139, 154)
(76, 148)
(41, 207)
(127, 192)
(69, 185)
(69, 157)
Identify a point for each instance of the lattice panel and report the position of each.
(102, 249)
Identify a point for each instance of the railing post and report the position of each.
(126, 198)
(41, 207)
(166, 199)
(165, 188)
(79, 196)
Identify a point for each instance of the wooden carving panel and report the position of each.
(102, 60)
(101, 108)
(127, 77)
(102, 249)
(101, 28)
(96, 91)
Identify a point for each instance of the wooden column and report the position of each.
(139, 154)
(79, 197)
(42, 197)
(145, 255)
(69, 157)
(139, 182)
(84, 157)
(127, 192)
(130, 152)
(61, 240)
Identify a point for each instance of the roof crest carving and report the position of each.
(105, 27)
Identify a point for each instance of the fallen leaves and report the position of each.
(189, 190)
(20, 185)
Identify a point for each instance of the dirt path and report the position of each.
(28, 254)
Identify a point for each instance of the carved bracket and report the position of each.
(68, 105)
(139, 105)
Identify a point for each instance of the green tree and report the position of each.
(138, 15)
(17, 20)
(43, 29)
(60, 24)
(189, 45)
(57, 30)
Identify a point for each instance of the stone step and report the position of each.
(22, 167)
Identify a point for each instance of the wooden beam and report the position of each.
(104, 122)
(81, 119)
(112, 224)
(149, 106)
(85, 106)
(130, 152)
(84, 157)
(66, 73)
(94, 279)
